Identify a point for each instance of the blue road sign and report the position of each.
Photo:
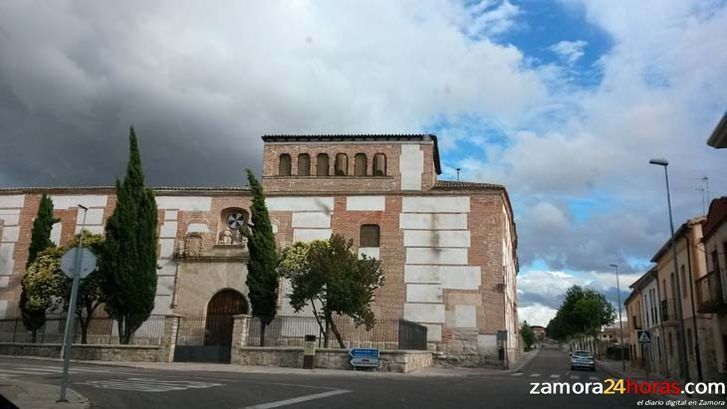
(364, 353)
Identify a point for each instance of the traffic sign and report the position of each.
(364, 353)
(364, 357)
(88, 262)
(644, 337)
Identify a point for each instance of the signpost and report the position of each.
(364, 357)
(644, 337)
(77, 263)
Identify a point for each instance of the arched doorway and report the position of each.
(219, 320)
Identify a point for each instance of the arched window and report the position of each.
(379, 164)
(303, 164)
(370, 235)
(359, 164)
(284, 165)
(341, 164)
(322, 165)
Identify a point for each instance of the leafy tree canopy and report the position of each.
(329, 274)
(583, 312)
(527, 334)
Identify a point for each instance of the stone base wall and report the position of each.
(87, 352)
(328, 358)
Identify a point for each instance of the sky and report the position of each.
(562, 101)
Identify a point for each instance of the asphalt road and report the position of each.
(114, 387)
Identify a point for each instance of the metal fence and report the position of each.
(385, 334)
(101, 330)
(210, 329)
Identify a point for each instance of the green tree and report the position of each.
(90, 290)
(583, 312)
(527, 334)
(262, 275)
(129, 257)
(34, 319)
(329, 274)
(47, 284)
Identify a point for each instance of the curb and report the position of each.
(619, 374)
(524, 360)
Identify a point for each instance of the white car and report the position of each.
(582, 359)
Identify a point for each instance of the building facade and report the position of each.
(448, 248)
(711, 289)
(699, 328)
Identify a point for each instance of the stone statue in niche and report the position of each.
(226, 237)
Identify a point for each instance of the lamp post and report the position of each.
(620, 321)
(683, 365)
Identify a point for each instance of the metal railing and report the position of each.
(101, 330)
(709, 293)
(391, 333)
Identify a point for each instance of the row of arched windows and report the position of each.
(340, 168)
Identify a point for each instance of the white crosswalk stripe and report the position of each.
(44, 370)
(517, 374)
(534, 375)
(555, 376)
(594, 378)
(575, 377)
(148, 384)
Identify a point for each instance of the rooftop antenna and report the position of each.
(705, 182)
(458, 169)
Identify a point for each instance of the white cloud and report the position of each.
(570, 51)
(536, 314)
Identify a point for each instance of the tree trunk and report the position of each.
(84, 328)
(333, 327)
(263, 325)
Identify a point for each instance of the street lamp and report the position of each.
(620, 321)
(683, 365)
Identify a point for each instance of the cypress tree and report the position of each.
(262, 276)
(34, 319)
(130, 252)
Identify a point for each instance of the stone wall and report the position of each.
(128, 353)
(328, 358)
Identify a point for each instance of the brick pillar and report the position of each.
(169, 337)
(240, 329)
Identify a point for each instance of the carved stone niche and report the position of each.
(233, 221)
(193, 245)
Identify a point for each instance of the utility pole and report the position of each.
(681, 338)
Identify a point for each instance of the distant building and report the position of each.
(539, 331)
(718, 139)
(642, 307)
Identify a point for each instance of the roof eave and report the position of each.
(718, 139)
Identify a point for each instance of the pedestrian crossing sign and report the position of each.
(644, 337)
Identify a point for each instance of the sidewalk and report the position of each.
(31, 395)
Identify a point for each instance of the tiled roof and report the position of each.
(457, 185)
(359, 137)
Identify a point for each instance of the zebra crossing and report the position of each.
(148, 385)
(557, 376)
(42, 370)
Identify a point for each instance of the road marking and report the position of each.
(148, 384)
(535, 375)
(59, 369)
(555, 376)
(517, 374)
(594, 378)
(299, 399)
(575, 377)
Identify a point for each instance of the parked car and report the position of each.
(582, 360)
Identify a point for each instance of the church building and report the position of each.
(448, 248)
